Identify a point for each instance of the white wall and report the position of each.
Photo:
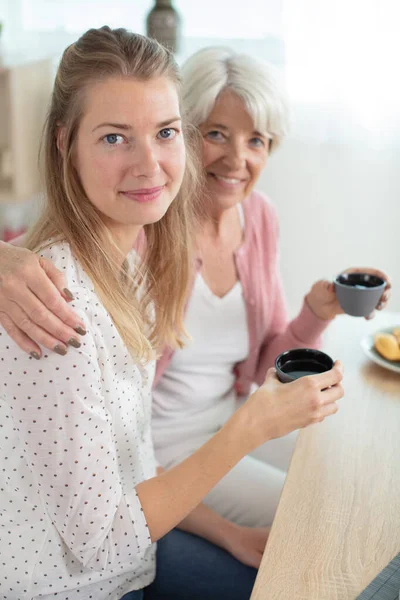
(339, 206)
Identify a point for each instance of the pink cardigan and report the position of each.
(270, 332)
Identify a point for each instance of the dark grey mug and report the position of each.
(358, 293)
(300, 362)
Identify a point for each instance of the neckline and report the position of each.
(210, 293)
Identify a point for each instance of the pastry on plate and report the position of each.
(388, 344)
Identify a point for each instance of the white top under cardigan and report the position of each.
(196, 395)
(74, 441)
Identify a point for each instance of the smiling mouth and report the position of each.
(144, 195)
(227, 180)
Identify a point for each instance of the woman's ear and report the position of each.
(60, 137)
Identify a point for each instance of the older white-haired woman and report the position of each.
(236, 313)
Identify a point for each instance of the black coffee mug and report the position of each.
(300, 362)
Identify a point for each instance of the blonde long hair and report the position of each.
(68, 215)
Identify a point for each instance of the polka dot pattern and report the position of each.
(75, 440)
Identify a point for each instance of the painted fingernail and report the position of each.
(35, 355)
(80, 330)
(74, 342)
(69, 294)
(60, 350)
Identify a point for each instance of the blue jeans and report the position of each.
(191, 568)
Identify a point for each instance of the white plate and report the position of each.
(367, 344)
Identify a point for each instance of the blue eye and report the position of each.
(258, 142)
(215, 135)
(113, 139)
(167, 133)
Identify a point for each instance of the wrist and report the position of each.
(246, 425)
(238, 431)
(208, 524)
(310, 305)
(229, 536)
(323, 315)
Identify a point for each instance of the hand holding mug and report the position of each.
(323, 298)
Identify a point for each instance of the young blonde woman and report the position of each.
(236, 314)
(81, 504)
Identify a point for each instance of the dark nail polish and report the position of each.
(60, 350)
(74, 342)
(69, 294)
(35, 355)
(80, 330)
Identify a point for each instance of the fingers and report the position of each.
(31, 297)
(384, 299)
(258, 559)
(329, 286)
(327, 410)
(378, 273)
(323, 404)
(253, 559)
(57, 278)
(47, 287)
(271, 376)
(33, 310)
(324, 380)
(382, 275)
(264, 535)
(332, 394)
(20, 338)
(41, 313)
(35, 328)
(381, 304)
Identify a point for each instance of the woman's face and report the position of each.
(234, 154)
(130, 152)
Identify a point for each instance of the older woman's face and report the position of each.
(234, 154)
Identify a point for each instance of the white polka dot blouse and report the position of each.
(75, 440)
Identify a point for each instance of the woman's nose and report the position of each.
(236, 156)
(144, 162)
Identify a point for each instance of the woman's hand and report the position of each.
(323, 301)
(33, 303)
(276, 408)
(247, 544)
(244, 543)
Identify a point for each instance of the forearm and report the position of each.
(208, 524)
(169, 498)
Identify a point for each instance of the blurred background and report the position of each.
(335, 180)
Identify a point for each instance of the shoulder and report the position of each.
(61, 255)
(101, 333)
(86, 302)
(260, 213)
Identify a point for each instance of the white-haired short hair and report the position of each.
(211, 70)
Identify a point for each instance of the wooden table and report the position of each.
(338, 520)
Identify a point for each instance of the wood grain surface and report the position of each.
(338, 520)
